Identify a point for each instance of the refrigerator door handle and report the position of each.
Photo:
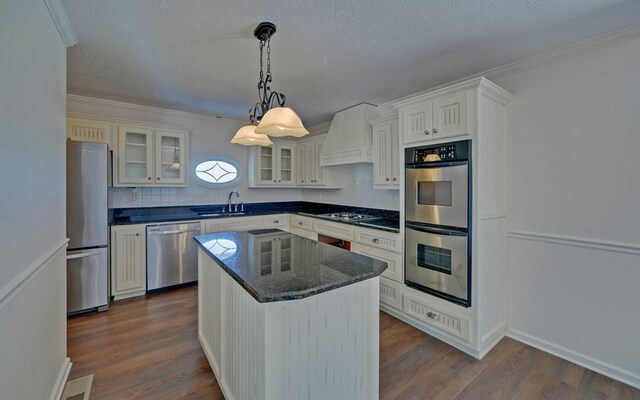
(83, 255)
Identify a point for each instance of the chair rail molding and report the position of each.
(617, 247)
(12, 288)
(59, 16)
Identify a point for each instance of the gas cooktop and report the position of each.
(348, 216)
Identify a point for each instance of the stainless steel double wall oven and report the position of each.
(438, 220)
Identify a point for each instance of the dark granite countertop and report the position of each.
(388, 220)
(306, 267)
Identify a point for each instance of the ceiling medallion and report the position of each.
(268, 116)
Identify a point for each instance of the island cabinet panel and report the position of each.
(323, 346)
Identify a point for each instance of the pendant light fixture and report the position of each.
(269, 113)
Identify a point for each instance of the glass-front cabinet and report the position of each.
(148, 156)
(272, 166)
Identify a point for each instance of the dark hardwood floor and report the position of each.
(147, 348)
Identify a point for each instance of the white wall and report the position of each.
(32, 221)
(574, 221)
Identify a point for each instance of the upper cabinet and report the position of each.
(309, 173)
(148, 156)
(427, 118)
(272, 166)
(144, 154)
(90, 130)
(386, 156)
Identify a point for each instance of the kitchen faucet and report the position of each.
(229, 203)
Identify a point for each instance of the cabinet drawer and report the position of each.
(276, 221)
(335, 229)
(391, 293)
(382, 240)
(420, 309)
(300, 222)
(232, 224)
(394, 270)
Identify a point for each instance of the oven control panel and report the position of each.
(458, 151)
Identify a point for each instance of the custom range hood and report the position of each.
(350, 140)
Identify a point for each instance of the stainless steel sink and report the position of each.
(232, 214)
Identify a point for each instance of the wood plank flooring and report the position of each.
(147, 348)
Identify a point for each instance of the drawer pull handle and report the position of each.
(375, 240)
(300, 223)
(275, 221)
(433, 316)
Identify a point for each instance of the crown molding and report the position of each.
(610, 39)
(157, 110)
(320, 128)
(59, 16)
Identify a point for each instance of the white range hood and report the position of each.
(349, 140)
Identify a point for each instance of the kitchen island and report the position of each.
(281, 316)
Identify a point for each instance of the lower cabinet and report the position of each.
(391, 293)
(128, 261)
(231, 224)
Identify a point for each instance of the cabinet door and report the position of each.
(300, 164)
(286, 162)
(394, 155)
(284, 255)
(320, 172)
(310, 163)
(450, 116)
(417, 122)
(170, 156)
(265, 165)
(135, 155)
(382, 155)
(129, 261)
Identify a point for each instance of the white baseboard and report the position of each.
(58, 388)
(600, 367)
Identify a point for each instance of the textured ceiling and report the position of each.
(201, 56)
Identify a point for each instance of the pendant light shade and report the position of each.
(247, 136)
(281, 121)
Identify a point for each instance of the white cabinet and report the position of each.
(90, 130)
(272, 166)
(436, 116)
(279, 221)
(309, 173)
(386, 154)
(394, 260)
(128, 261)
(148, 156)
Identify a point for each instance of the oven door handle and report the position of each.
(435, 164)
(435, 231)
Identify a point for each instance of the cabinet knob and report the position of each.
(149, 178)
(426, 132)
(137, 234)
(302, 181)
(279, 180)
(435, 130)
(433, 316)
(158, 178)
(394, 179)
(274, 180)
(387, 179)
(375, 240)
(300, 223)
(275, 221)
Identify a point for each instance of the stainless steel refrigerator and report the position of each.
(87, 226)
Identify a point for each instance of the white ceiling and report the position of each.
(201, 56)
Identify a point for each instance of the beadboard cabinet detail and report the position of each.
(272, 166)
(128, 261)
(431, 118)
(90, 130)
(309, 173)
(386, 155)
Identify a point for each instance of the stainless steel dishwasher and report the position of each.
(172, 254)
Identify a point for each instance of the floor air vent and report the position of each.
(78, 389)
